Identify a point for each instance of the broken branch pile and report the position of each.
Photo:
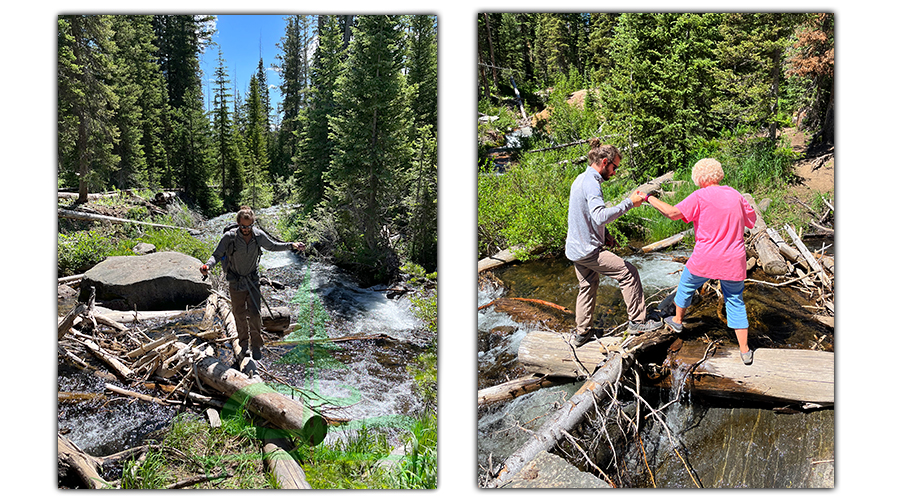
(190, 370)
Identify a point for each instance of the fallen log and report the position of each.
(72, 214)
(598, 387)
(135, 395)
(666, 243)
(654, 186)
(64, 324)
(72, 461)
(549, 354)
(768, 256)
(786, 250)
(813, 263)
(291, 416)
(284, 467)
(276, 322)
(123, 371)
(776, 375)
(501, 258)
(515, 388)
(565, 419)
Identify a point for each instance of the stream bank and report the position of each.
(379, 339)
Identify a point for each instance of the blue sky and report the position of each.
(243, 40)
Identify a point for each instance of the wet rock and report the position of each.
(550, 471)
(157, 281)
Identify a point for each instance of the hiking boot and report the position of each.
(676, 327)
(643, 327)
(257, 354)
(579, 339)
(747, 357)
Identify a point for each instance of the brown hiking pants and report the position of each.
(247, 320)
(588, 271)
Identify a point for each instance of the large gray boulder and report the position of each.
(152, 282)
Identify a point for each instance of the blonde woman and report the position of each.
(719, 214)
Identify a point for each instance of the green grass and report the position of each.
(527, 206)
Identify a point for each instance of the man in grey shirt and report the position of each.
(586, 243)
(241, 248)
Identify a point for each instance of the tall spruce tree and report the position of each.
(421, 194)
(422, 69)
(228, 153)
(86, 102)
(294, 69)
(660, 95)
(257, 166)
(372, 149)
(180, 40)
(316, 144)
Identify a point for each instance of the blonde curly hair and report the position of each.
(707, 171)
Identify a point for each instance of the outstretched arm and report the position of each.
(665, 209)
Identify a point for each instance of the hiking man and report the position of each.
(586, 243)
(241, 248)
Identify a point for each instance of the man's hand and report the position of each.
(298, 247)
(637, 198)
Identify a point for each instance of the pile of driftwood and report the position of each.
(189, 372)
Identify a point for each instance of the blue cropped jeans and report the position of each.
(733, 291)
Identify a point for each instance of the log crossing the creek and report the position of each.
(776, 375)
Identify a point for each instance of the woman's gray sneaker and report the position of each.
(676, 327)
(747, 357)
(647, 326)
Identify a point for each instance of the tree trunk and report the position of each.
(291, 416)
(768, 255)
(71, 214)
(594, 390)
(549, 354)
(497, 260)
(284, 467)
(515, 388)
(776, 375)
(813, 263)
(71, 461)
(666, 243)
(565, 419)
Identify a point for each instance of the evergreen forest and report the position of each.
(666, 88)
(351, 146)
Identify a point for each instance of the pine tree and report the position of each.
(257, 166)
(751, 59)
(421, 194)
(180, 39)
(371, 145)
(422, 70)
(316, 145)
(294, 70)
(86, 102)
(229, 159)
(660, 95)
(813, 59)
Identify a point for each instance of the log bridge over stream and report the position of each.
(789, 377)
